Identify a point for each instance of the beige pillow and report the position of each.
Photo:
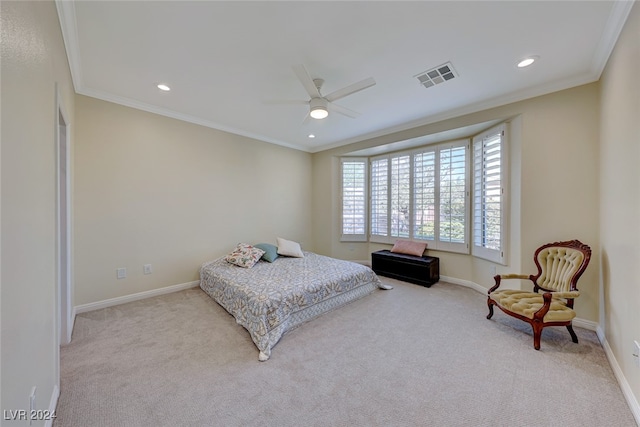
(289, 248)
(408, 247)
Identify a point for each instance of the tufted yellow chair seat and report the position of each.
(527, 303)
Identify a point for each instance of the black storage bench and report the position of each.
(421, 270)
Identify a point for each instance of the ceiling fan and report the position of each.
(320, 105)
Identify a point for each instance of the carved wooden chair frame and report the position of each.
(537, 322)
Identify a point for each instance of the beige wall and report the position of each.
(159, 191)
(554, 180)
(620, 200)
(33, 61)
(152, 190)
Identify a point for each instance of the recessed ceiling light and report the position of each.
(164, 87)
(311, 135)
(527, 61)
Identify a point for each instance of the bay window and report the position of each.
(451, 195)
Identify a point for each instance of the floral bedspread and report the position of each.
(262, 298)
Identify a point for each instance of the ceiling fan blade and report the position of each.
(306, 80)
(353, 88)
(286, 102)
(343, 110)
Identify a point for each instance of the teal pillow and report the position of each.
(270, 251)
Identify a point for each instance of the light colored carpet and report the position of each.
(411, 356)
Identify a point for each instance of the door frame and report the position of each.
(64, 283)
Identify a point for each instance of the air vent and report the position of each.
(437, 75)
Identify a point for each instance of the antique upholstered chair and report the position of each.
(560, 265)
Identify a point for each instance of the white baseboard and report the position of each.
(585, 324)
(133, 297)
(53, 403)
(631, 399)
(73, 321)
(465, 283)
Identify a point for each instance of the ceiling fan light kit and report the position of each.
(318, 108)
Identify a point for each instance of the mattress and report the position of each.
(270, 299)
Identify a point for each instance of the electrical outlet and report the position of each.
(636, 353)
(121, 272)
(147, 269)
(493, 270)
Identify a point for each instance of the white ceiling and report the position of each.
(227, 61)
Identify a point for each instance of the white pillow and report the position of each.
(289, 248)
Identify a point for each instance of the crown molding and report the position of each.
(613, 28)
(67, 18)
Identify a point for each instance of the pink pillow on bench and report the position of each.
(408, 247)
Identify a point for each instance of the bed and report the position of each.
(270, 299)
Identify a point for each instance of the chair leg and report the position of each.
(574, 337)
(537, 333)
(490, 309)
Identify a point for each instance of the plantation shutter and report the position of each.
(452, 227)
(488, 195)
(400, 196)
(354, 200)
(424, 202)
(379, 197)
